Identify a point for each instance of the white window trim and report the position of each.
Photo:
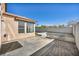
(34, 28)
(25, 28)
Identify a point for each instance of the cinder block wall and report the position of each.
(64, 33)
(76, 34)
(61, 30)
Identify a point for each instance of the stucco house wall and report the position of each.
(0, 25)
(0, 30)
(11, 30)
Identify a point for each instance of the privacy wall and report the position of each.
(76, 34)
(60, 30)
(57, 30)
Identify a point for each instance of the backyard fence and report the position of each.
(56, 30)
(76, 34)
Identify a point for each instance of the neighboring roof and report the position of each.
(19, 17)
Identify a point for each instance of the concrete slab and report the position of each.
(62, 36)
(30, 46)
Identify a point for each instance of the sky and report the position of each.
(46, 13)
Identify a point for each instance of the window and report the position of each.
(21, 27)
(30, 27)
(25, 27)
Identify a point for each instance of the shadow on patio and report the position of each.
(58, 48)
(9, 47)
(63, 45)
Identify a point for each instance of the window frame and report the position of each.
(28, 27)
(21, 28)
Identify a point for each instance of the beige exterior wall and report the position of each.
(0, 25)
(3, 7)
(11, 30)
(10, 27)
(0, 30)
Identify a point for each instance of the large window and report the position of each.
(30, 27)
(25, 27)
(21, 27)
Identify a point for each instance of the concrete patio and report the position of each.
(55, 44)
(29, 46)
(62, 36)
(63, 45)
